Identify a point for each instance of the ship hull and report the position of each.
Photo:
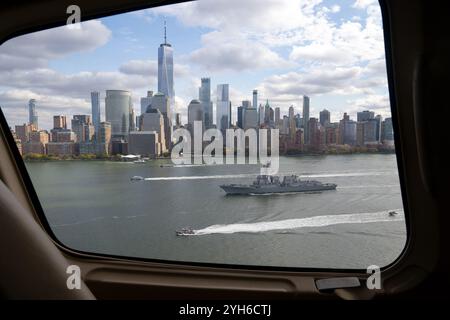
(249, 190)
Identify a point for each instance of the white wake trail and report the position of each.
(234, 176)
(289, 224)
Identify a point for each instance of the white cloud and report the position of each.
(221, 51)
(318, 81)
(253, 15)
(149, 68)
(35, 49)
(362, 4)
(15, 108)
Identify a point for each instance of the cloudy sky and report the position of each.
(332, 51)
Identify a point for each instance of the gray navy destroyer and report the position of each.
(267, 184)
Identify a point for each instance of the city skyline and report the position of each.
(151, 133)
(331, 82)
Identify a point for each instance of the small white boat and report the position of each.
(136, 178)
(185, 232)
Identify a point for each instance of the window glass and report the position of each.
(247, 132)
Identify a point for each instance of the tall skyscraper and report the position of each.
(223, 110)
(117, 110)
(95, 104)
(32, 114)
(306, 117)
(255, 99)
(324, 117)
(165, 70)
(204, 95)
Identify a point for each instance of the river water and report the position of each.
(93, 206)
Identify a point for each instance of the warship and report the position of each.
(267, 184)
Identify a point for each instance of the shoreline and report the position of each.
(45, 158)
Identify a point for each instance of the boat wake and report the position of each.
(304, 176)
(290, 224)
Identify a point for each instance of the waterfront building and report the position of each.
(144, 143)
(23, 132)
(37, 143)
(117, 111)
(118, 146)
(63, 135)
(61, 148)
(306, 118)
